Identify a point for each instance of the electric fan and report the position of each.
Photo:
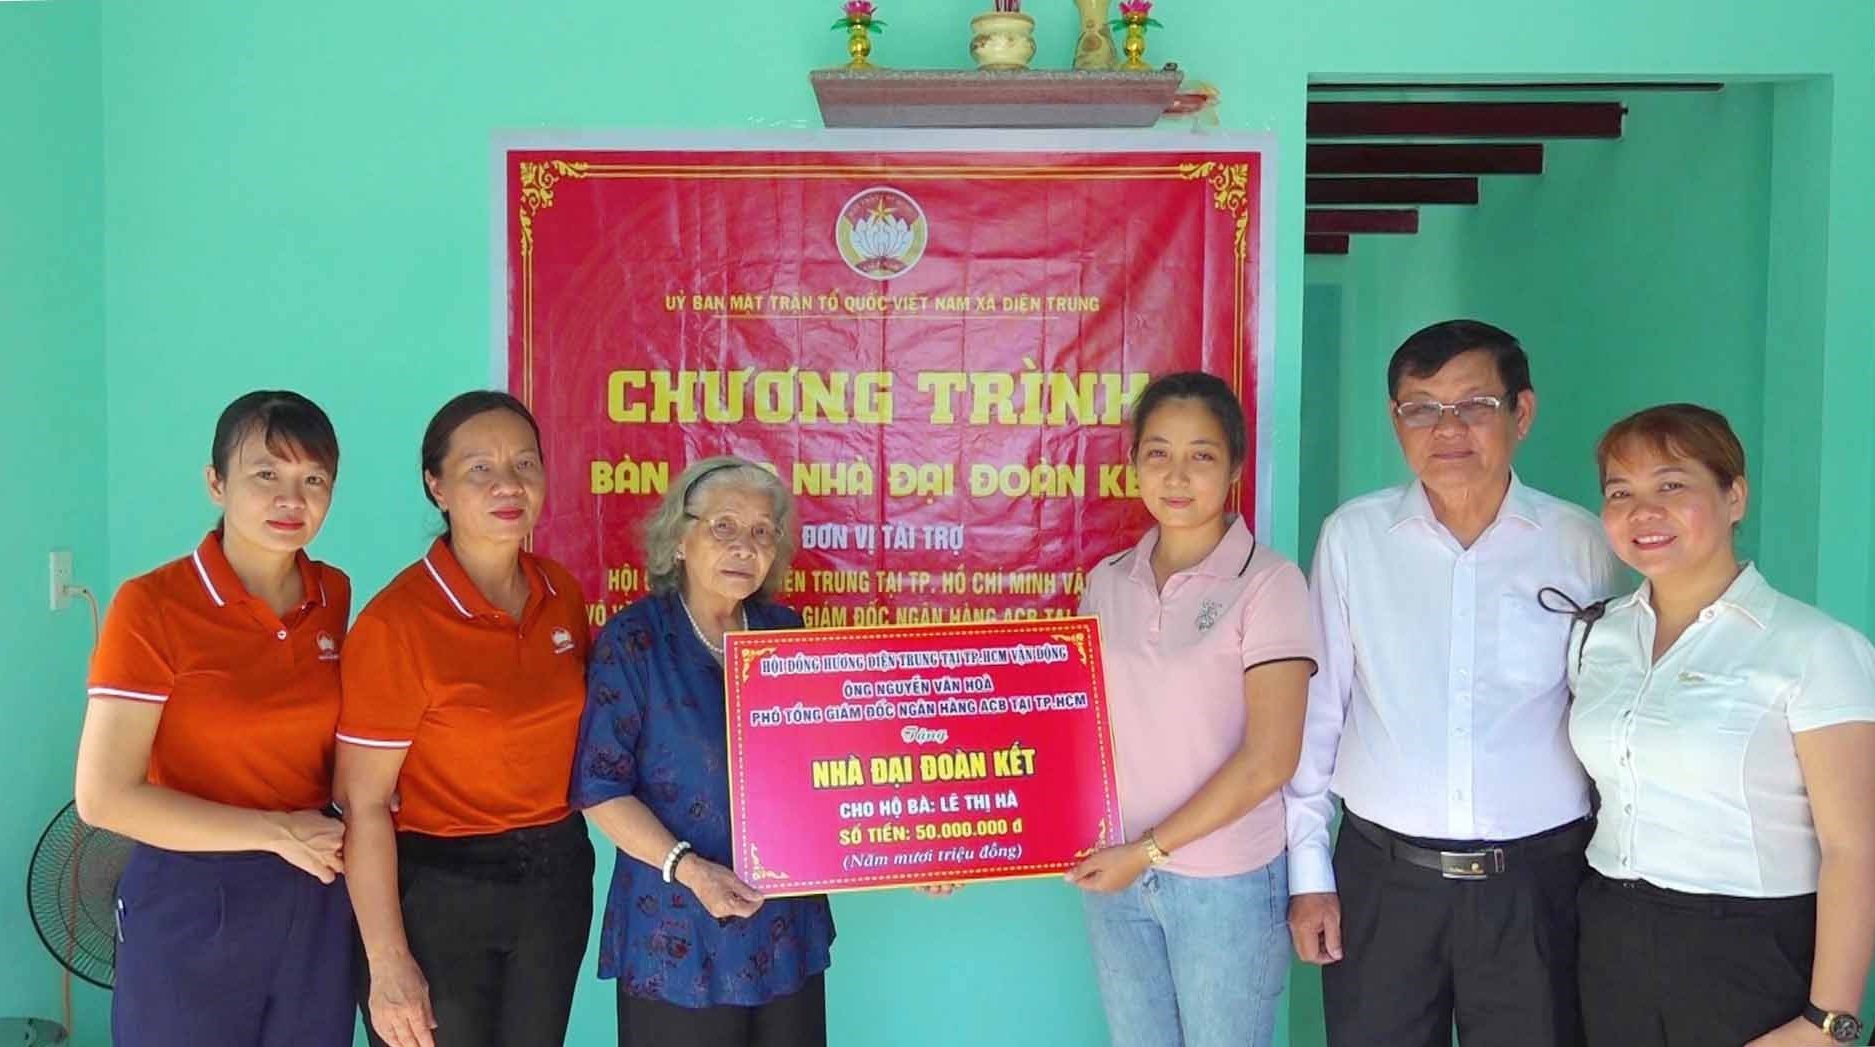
(71, 888)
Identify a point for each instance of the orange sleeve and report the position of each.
(133, 659)
(384, 695)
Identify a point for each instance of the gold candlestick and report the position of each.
(859, 45)
(1135, 45)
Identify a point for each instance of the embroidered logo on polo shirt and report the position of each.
(1208, 613)
(328, 647)
(562, 641)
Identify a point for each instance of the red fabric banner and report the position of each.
(934, 350)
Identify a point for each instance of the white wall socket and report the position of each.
(61, 579)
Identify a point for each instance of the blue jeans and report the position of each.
(1193, 961)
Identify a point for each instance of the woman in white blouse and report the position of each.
(1730, 732)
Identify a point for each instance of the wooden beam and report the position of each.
(1326, 243)
(1572, 86)
(978, 98)
(1392, 190)
(1465, 119)
(1360, 221)
(1392, 159)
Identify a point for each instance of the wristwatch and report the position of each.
(1155, 854)
(1843, 1028)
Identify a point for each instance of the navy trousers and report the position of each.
(230, 950)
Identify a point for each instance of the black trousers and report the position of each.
(498, 925)
(1497, 955)
(1667, 969)
(796, 1020)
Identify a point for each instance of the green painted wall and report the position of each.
(299, 194)
(53, 428)
(1325, 349)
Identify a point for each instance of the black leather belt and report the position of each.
(1475, 861)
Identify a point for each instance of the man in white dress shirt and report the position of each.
(1439, 718)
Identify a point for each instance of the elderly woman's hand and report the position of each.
(720, 890)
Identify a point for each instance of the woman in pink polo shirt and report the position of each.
(1208, 653)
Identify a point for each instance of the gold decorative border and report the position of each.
(1078, 641)
(1230, 187)
(750, 656)
(1230, 184)
(758, 872)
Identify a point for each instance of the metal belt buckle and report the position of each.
(1471, 865)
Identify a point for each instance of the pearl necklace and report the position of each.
(715, 649)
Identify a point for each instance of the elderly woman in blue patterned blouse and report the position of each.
(699, 956)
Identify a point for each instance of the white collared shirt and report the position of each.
(1694, 754)
(1440, 708)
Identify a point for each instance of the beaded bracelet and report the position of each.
(670, 860)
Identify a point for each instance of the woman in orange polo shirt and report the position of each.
(464, 682)
(208, 740)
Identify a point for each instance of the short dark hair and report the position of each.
(1431, 348)
(449, 418)
(1208, 389)
(1677, 431)
(291, 425)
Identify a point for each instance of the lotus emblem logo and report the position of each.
(328, 647)
(1208, 613)
(562, 641)
(881, 233)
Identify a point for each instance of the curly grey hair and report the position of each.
(666, 528)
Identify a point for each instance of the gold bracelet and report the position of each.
(1155, 854)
